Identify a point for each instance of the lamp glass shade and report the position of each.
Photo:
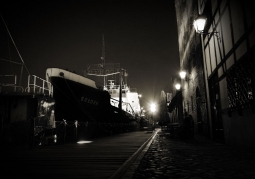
(199, 24)
(182, 74)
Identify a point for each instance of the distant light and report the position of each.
(153, 107)
(84, 142)
(178, 86)
(182, 74)
(55, 138)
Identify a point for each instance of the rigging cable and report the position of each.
(14, 43)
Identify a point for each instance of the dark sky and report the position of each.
(140, 35)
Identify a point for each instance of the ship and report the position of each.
(80, 98)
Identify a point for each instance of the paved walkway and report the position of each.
(104, 158)
(198, 158)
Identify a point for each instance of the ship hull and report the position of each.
(75, 101)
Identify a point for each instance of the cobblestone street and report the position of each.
(198, 158)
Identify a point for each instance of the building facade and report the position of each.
(219, 87)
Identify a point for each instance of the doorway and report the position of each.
(216, 116)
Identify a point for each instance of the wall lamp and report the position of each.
(183, 76)
(199, 25)
(177, 86)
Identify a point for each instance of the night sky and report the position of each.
(140, 35)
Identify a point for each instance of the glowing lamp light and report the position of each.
(182, 74)
(199, 24)
(153, 107)
(177, 86)
(55, 138)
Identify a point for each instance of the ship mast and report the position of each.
(103, 57)
(23, 63)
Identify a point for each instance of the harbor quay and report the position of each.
(101, 157)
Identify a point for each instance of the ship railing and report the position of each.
(129, 108)
(115, 86)
(125, 106)
(38, 85)
(5, 82)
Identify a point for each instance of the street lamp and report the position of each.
(182, 74)
(199, 25)
(177, 86)
(200, 29)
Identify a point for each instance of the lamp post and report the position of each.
(153, 110)
(199, 25)
(179, 106)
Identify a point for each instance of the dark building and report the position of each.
(219, 61)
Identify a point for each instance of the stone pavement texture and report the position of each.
(197, 158)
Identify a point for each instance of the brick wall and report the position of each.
(191, 61)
